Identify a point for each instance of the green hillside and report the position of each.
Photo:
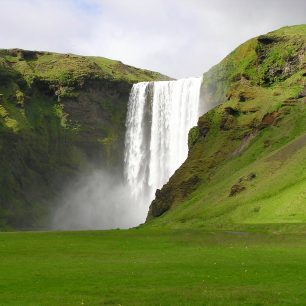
(247, 157)
(59, 114)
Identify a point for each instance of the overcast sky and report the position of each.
(179, 38)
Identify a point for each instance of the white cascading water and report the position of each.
(160, 115)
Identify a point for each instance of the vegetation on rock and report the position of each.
(59, 113)
(259, 127)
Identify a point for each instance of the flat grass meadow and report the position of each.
(152, 267)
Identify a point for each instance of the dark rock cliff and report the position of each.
(60, 114)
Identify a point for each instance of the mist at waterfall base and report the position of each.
(160, 115)
(98, 200)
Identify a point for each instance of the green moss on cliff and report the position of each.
(259, 128)
(70, 69)
(263, 61)
(59, 113)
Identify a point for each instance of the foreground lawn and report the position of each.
(152, 267)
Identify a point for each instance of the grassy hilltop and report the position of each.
(246, 165)
(59, 113)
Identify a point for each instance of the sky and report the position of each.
(179, 38)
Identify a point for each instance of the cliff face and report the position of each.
(246, 161)
(59, 115)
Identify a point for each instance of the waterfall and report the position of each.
(160, 115)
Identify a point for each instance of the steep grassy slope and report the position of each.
(58, 114)
(247, 161)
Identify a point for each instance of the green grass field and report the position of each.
(152, 267)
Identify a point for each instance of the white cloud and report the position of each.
(44, 25)
(176, 37)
